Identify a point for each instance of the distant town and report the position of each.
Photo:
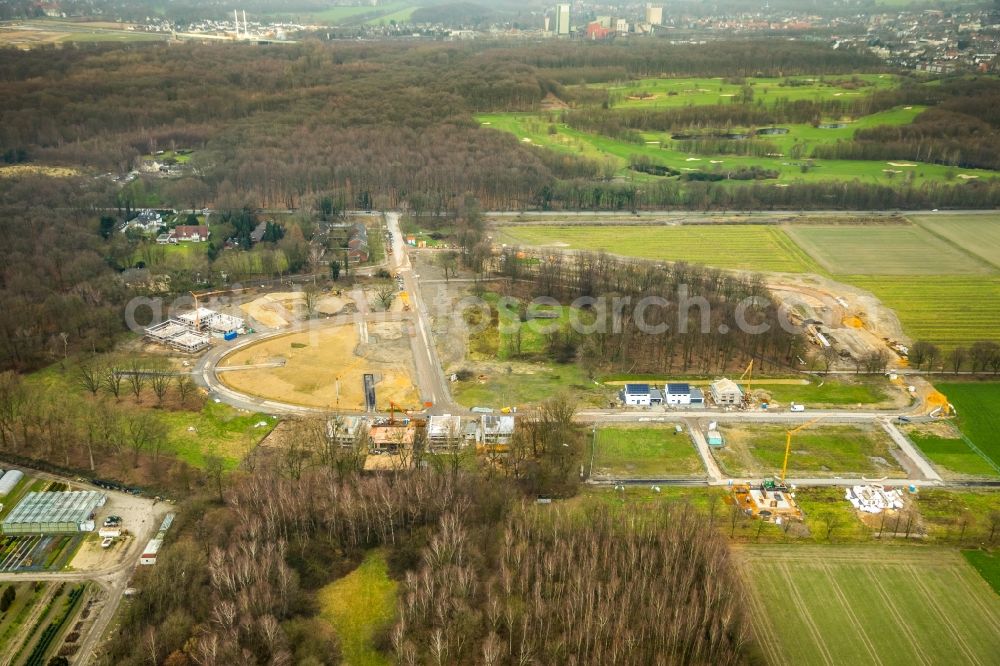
(965, 38)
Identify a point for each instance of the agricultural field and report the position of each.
(40, 620)
(976, 234)
(355, 14)
(671, 92)
(978, 415)
(746, 247)
(644, 453)
(38, 32)
(952, 454)
(754, 451)
(357, 606)
(987, 563)
(949, 311)
(865, 604)
(891, 249)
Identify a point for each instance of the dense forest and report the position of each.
(371, 126)
(486, 576)
(697, 320)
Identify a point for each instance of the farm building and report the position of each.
(54, 512)
(726, 392)
(10, 480)
(444, 430)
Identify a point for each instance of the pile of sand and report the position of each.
(331, 305)
(276, 310)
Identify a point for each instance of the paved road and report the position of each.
(430, 375)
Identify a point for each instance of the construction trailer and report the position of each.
(54, 513)
(150, 552)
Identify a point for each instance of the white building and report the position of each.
(678, 394)
(654, 15)
(562, 19)
(621, 26)
(149, 553)
(636, 395)
(496, 429)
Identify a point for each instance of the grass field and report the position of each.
(978, 413)
(953, 454)
(863, 605)
(645, 453)
(757, 450)
(539, 130)
(528, 383)
(358, 605)
(987, 563)
(749, 247)
(828, 392)
(976, 234)
(672, 92)
(217, 429)
(947, 310)
(895, 249)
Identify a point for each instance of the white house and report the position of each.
(636, 395)
(678, 394)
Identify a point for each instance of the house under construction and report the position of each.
(191, 332)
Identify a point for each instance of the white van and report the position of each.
(797, 408)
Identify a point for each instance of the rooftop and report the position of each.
(637, 389)
(55, 507)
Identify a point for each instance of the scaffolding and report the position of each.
(176, 334)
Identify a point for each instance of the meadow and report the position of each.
(864, 604)
(517, 383)
(890, 249)
(978, 235)
(359, 605)
(672, 92)
(544, 131)
(644, 453)
(948, 310)
(953, 454)
(940, 293)
(987, 564)
(978, 416)
(747, 247)
(752, 451)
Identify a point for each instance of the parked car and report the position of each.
(107, 542)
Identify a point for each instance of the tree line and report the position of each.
(695, 326)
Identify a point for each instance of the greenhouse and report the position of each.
(54, 512)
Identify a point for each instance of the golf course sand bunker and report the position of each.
(326, 368)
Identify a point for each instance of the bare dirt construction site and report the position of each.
(325, 367)
(852, 319)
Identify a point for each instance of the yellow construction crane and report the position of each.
(748, 374)
(788, 445)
